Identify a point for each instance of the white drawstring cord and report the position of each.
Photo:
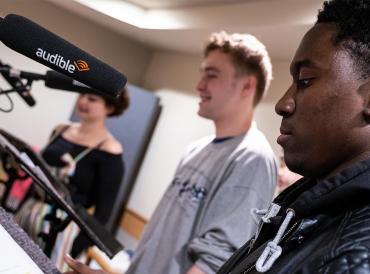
(257, 213)
(266, 214)
(272, 251)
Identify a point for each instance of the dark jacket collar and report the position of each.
(346, 190)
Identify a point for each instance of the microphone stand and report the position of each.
(7, 70)
(14, 78)
(33, 165)
(16, 83)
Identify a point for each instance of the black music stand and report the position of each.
(35, 167)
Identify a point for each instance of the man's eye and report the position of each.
(303, 83)
(211, 76)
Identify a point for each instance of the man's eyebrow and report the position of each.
(209, 69)
(296, 66)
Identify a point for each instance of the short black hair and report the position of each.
(352, 18)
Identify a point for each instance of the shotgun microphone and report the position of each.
(56, 80)
(45, 47)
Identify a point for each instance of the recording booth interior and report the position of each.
(134, 129)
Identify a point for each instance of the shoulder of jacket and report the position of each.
(350, 252)
(355, 230)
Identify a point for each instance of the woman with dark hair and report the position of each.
(88, 157)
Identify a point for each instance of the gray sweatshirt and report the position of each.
(204, 215)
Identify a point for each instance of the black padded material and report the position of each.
(21, 238)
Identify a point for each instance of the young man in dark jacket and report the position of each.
(321, 224)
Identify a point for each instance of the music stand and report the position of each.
(35, 167)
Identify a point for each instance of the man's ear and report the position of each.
(249, 85)
(364, 91)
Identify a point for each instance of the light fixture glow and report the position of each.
(135, 15)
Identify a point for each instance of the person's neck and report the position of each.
(92, 128)
(232, 127)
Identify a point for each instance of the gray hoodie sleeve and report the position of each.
(226, 221)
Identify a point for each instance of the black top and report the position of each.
(97, 176)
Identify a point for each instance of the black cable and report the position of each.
(10, 101)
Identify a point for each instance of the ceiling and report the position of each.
(168, 4)
(184, 25)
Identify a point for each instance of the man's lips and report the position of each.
(285, 135)
(204, 98)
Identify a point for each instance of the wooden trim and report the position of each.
(133, 223)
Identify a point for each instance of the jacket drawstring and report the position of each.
(262, 216)
(266, 214)
(272, 251)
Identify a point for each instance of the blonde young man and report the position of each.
(204, 216)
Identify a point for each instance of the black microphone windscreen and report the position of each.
(58, 80)
(45, 47)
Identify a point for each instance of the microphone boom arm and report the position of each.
(14, 78)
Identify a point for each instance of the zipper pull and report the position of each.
(273, 251)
